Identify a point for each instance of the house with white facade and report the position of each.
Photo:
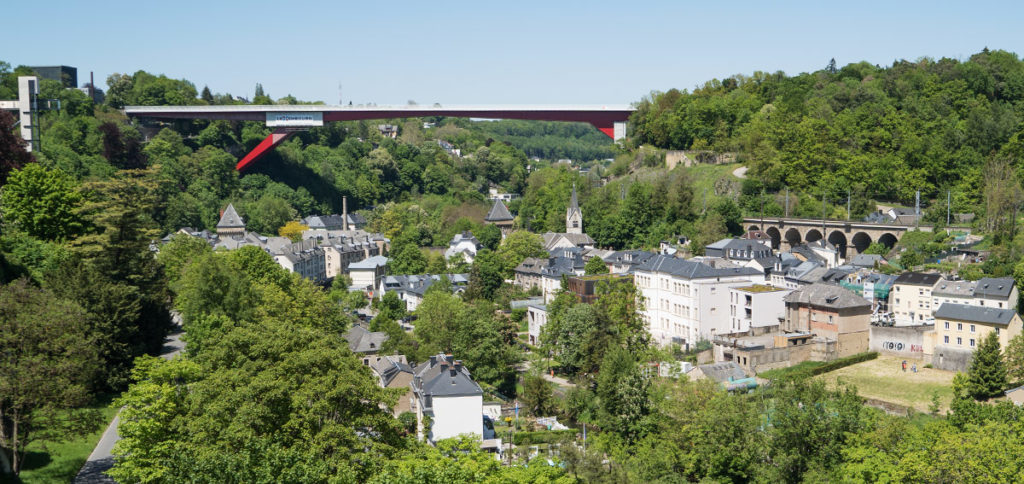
(412, 288)
(465, 244)
(756, 307)
(686, 301)
(996, 292)
(366, 274)
(546, 274)
(444, 391)
(536, 318)
(911, 297)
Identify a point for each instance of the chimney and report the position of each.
(433, 360)
(344, 213)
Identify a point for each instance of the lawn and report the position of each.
(883, 379)
(59, 462)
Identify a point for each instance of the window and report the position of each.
(972, 330)
(959, 326)
(960, 341)
(945, 339)
(829, 319)
(972, 342)
(947, 324)
(1000, 305)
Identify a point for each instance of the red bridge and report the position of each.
(287, 119)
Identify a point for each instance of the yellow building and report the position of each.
(960, 328)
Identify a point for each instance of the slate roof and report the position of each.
(827, 296)
(230, 219)
(579, 240)
(994, 287)
(369, 263)
(362, 340)
(979, 314)
(866, 260)
(389, 367)
(692, 270)
(723, 372)
(918, 278)
(499, 213)
(954, 288)
(444, 376)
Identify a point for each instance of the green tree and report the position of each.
(537, 397)
(486, 275)
(594, 266)
(519, 245)
(48, 363)
(268, 214)
(42, 203)
(986, 377)
(1014, 360)
(177, 254)
(622, 395)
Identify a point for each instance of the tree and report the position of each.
(622, 395)
(206, 95)
(48, 362)
(489, 235)
(1014, 360)
(293, 230)
(268, 214)
(537, 397)
(986, 377)
(595, 266)
(519, 245)
(579, 337)
(42, 203)
(12, 148)
(486, 275)
(407, 259)
(177, 254)
(320, 415)
(122, 148)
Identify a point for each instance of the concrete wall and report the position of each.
(951, 358)
(901, 341)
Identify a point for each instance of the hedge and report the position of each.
(543, 436)
(831, 365)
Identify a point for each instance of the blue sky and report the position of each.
(489, 52)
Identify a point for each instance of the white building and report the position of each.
(756, 306)
(996, 292)
(304, 258)
(366, 273)
(687, 301)
(465, 244)
(443, 390)
(536, 317)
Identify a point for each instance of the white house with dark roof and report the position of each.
(366, 273)
(911, 297)
(444, 391)
(364, 342)
(997, 292)
(686, 301)
(741, 250)
(465, 244)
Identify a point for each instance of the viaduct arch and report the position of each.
(850, 237)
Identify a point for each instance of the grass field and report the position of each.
(883, 379)
(59, 462)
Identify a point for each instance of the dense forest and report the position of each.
(883, 132)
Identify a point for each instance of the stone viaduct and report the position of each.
(850, 237)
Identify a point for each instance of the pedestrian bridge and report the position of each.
(850, 237)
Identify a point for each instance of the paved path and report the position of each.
(101, 460)
(740, 172)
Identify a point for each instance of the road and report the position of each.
(101, 460)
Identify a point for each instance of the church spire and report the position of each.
(573, 215)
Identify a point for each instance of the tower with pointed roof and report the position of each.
(573, 215)
(500, 216)
(230, 222)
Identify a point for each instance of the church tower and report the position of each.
(573, 215)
